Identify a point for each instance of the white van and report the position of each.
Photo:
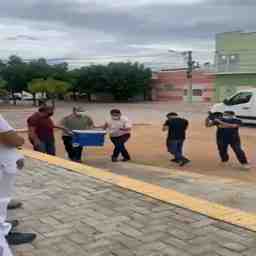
(243, 103)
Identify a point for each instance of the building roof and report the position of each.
(235, 73)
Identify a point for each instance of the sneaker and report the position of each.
(15, 238)
(14, 223)
(114, 160)
(14, 204)
(184, 162)
(246, 166)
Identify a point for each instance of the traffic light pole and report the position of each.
(190, 76)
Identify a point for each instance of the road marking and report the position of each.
(212, 210)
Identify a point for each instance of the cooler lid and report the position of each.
(90, 131)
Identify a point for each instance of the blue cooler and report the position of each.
(89, 138)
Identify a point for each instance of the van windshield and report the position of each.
(240, 98)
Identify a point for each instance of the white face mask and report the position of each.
(81, 113)
(115, 118)
(228, 117)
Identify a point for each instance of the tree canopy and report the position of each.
(123, 80)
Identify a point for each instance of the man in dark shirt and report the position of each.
(176, 127)
(228, 135)
(41, 130)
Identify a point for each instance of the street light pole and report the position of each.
(190, 76)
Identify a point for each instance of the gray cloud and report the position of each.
(21, 37)
(119, 26)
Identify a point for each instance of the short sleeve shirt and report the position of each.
(44, 127)
(73, 122)
(229, 133)
(177, 128)
(115, 126)
(8, 156)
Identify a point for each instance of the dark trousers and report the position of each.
(119, 143)
(175, 147)
(47, 147)
(74, 153)
(235, 144)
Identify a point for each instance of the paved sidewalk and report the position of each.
(78, 215)
(229, 192)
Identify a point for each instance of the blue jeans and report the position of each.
(47, 147)
(119, 143)
(175, 147)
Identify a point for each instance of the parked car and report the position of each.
(243, 103)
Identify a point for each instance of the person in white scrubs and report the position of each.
(10, 161)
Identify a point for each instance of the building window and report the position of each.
(169, 87)
(234, 63)
(197, 92)
(228, 62)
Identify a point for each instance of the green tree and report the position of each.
(125, 80)
(92, 79)
(15, 74)
(3, 83)
(73, 78)
(50, 86)
(3, 92)
(38, 69)
(60, 71)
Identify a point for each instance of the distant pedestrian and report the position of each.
(120, 132)
(41, 130)
(228, 135)
(78, 120)
(176, 127)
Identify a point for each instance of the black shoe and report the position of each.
(184, 162)
(126, 159)
(174, 160)
(14, 223)
(13, 205)
(15, 238)
(114, 160)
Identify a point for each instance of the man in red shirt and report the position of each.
(41, 130)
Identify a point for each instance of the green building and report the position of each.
(235, 61)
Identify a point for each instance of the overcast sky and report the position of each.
(93, 29)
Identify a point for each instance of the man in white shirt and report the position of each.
(10, 162)
(120, 132)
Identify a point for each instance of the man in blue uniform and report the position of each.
(228, 135)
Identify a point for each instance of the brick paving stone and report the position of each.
(151, 237)
(226, 252)
(234, 247)
(78, 215)
(250, 252)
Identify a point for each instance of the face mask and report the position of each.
(81, 113)
(228, 117)
(115, 118)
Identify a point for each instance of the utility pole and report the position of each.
(190, 67)
(190, 76)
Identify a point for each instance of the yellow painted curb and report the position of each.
(212, 210)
